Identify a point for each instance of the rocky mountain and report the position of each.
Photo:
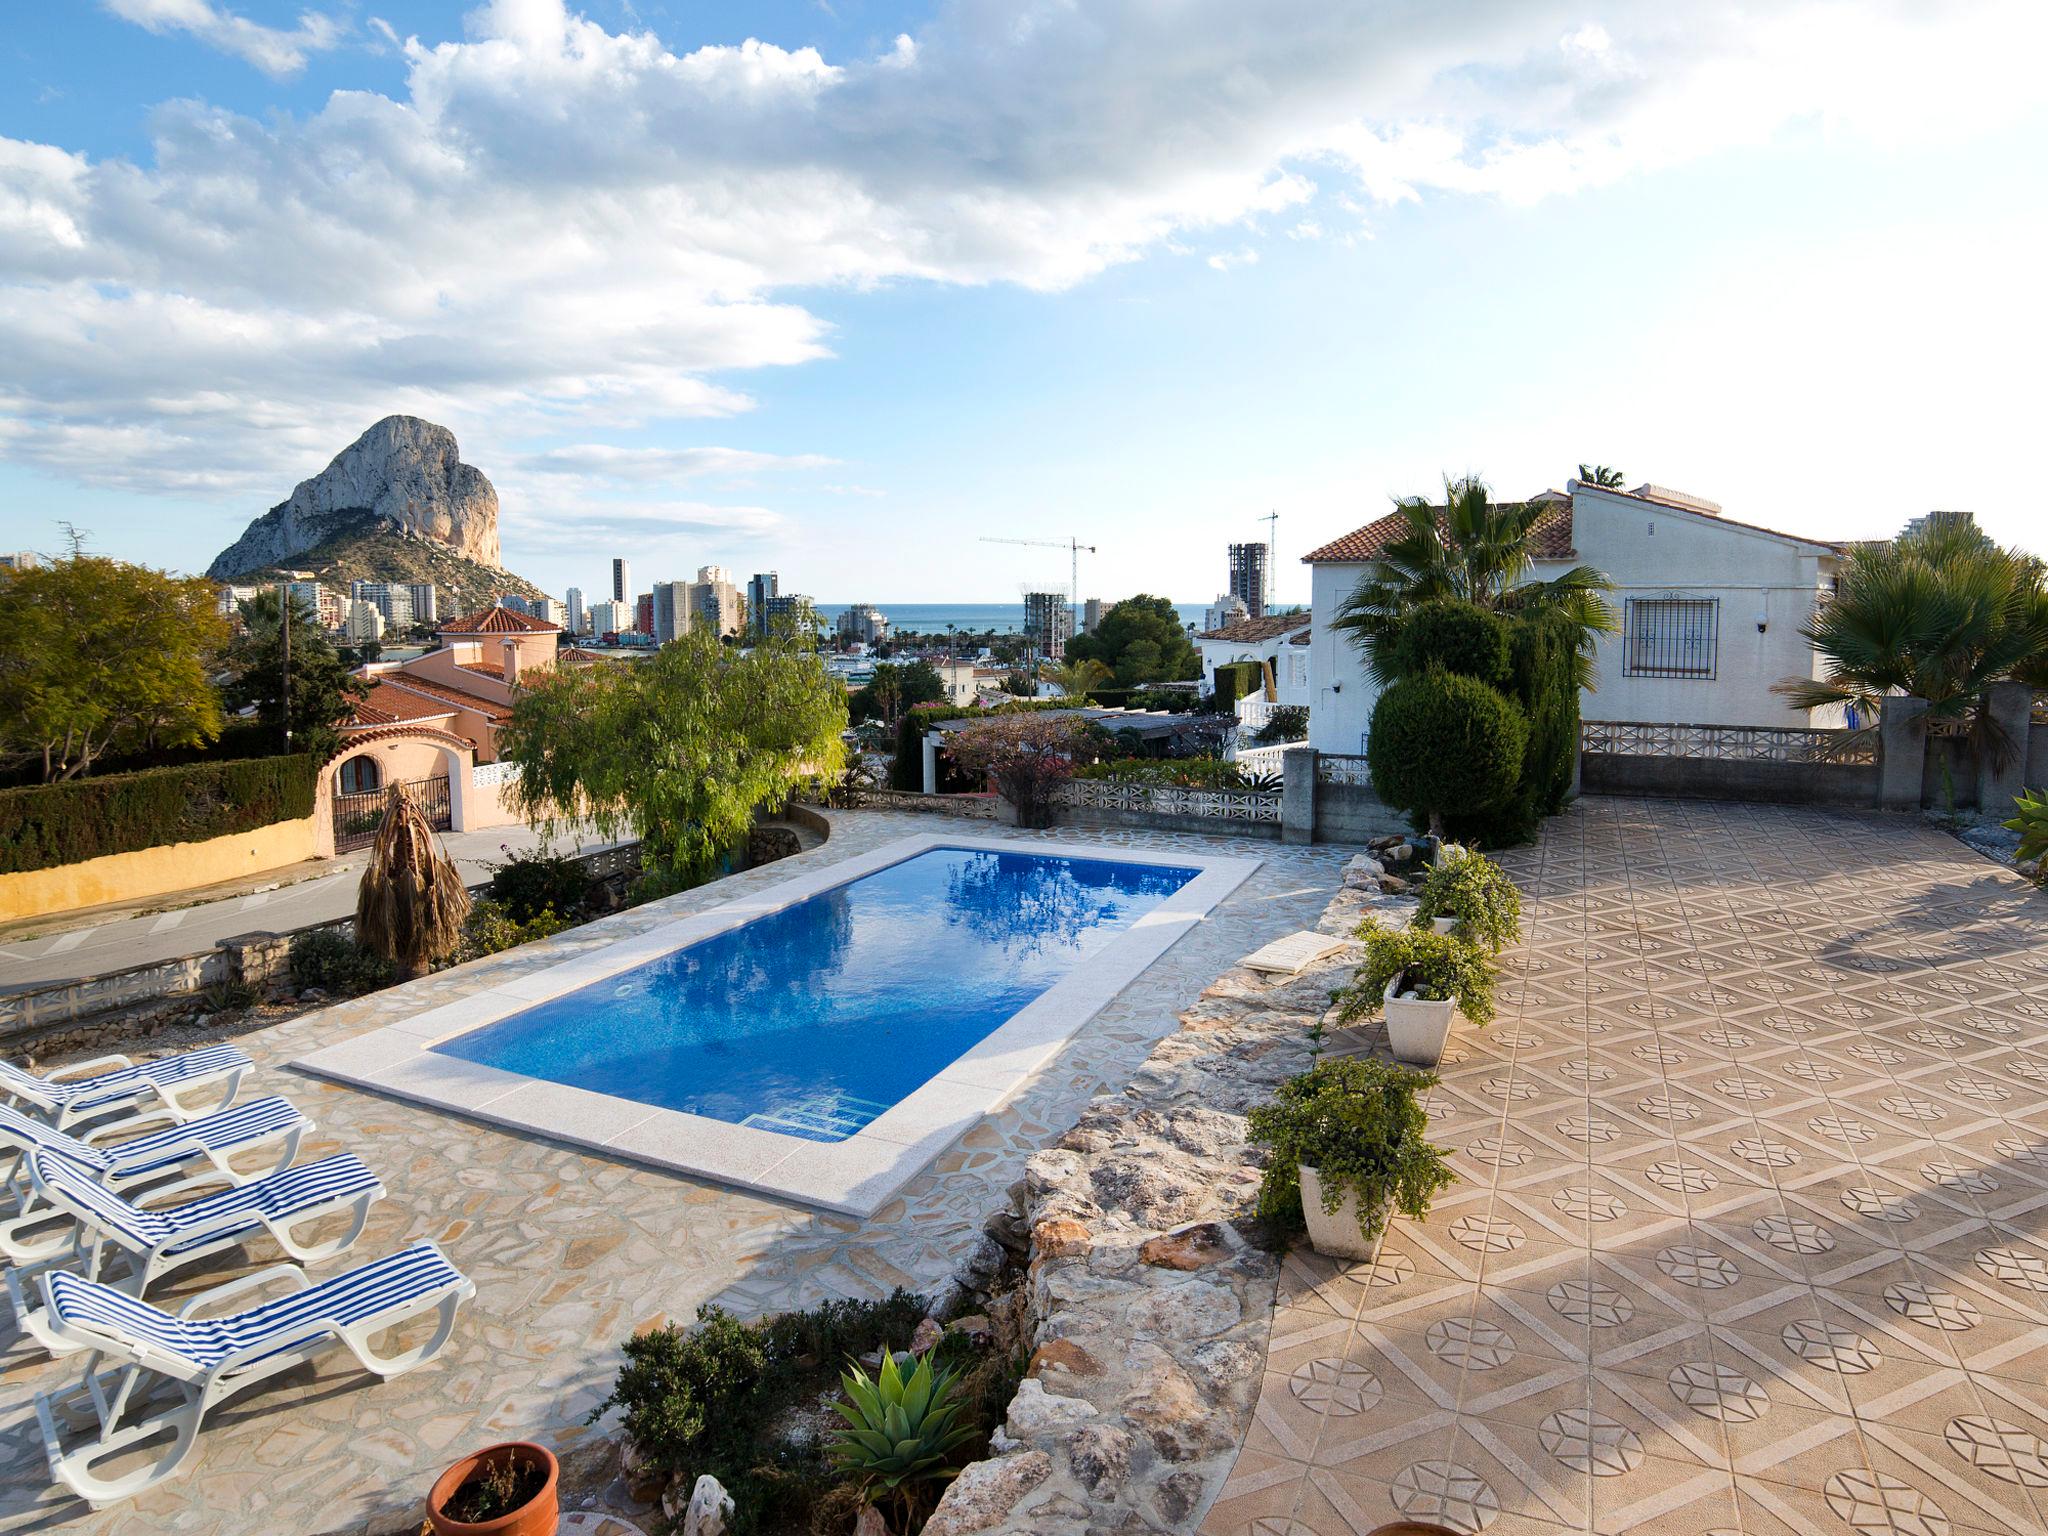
(363, 547)
(404, 473)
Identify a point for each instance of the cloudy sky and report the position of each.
(838, 286)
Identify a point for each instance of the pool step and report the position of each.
(827, 1117)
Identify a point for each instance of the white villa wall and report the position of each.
(1290, 676)
(1753, 575)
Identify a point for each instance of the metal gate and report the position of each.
(357, 817)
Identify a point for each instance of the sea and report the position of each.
(971, 618)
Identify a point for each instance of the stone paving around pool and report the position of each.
(1753, 1229)
(571, 1252)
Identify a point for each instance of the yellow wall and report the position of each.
(154, 871)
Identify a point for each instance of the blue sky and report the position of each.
(1136, 271)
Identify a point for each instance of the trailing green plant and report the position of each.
(332, 961)
(491, 928)
(1473, 889)
(1432, 966)
(48, 825)
(2031, 822)
(1444, 746)
(1360, 1124)
(902, 1433)
(535, 881)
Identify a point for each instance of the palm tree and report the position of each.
(1939, 614)
(411, 902)
(1475, 550)
(1076, 679)
(1600, 475)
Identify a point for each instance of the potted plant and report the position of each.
(1468, 894)
(1347, 1149)
(1423, 980)
(502, 1490)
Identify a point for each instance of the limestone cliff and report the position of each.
(403, 472)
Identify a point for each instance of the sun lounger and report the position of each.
(156, 1240)
(138, 1162)
(110, 1083)
(139, 1352)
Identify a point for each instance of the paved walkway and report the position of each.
(571, 1252)
(65, 947)
(1753, 1229)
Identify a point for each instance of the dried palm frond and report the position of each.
(411, 902)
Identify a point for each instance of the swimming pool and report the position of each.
(821, 1038)
(814, 1020)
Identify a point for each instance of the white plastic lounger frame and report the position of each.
(154, 1242)
(115, 1083)
(133, 1165)
(204, 1360)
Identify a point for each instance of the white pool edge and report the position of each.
(854, 1177)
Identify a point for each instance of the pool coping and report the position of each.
(854, 1177)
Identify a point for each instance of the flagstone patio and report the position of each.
(1753, 1228)
(571, 1251)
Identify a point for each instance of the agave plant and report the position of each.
(2032, 825)
(901, 1432)
(411, 902)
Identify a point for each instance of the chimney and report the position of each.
(512, 662)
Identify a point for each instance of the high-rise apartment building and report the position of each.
(864, 623)
(762, 589)
(1248, 576)
(715, 600)
(792, 611)
(393, 600)
(609, 618)
(1091, 615)
(1049, 621)
(17, 559)
(425, 608)
(576, 614)
(671, 610)
(622, 582)
(643, 613)
(365, 620)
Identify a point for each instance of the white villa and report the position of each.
(1278, 642)
(1711, 610)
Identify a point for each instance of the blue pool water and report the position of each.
(812, 1020)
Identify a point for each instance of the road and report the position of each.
(130, 938)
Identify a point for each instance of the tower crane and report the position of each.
(1074, 548)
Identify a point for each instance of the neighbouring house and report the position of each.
(432, 723)
(1278, 642)
(1711, 610)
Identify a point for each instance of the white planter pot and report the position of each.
(1417, 1027)
(1442, 924)
(1336, 1236)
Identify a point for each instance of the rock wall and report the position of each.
(403, 471)
(1150, 1294)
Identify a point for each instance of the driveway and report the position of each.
(1752, 1233)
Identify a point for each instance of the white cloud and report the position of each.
(606, 461)
(558, 231)
(1243, 256)
(277, 51)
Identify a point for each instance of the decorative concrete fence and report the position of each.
(1107, 803)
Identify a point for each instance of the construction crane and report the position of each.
(1272, 522)
(1074, 548)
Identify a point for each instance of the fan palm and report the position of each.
(411, 902)
(1474, 550)
(1076, 679)
(1939, 614)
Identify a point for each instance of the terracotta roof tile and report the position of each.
(386, 705)
(499, 621)
(1249, 630)
(490, 709)
(487, 668)
(1549, 539)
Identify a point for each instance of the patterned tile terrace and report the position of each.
(1753, 1229)
(571, 1252)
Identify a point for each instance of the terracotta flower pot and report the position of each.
(538, 1516)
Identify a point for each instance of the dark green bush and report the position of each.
(1543, 682)
(1458, 637)
(49, 825)
(906, 771)
(528, 884)
(1288, 722)
(332, 961)
(1237, 680)
(1445, 747)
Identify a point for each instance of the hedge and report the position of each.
(50, 825)
(239, 740)
(906, 770)
(1237, 680)
(1446, 743)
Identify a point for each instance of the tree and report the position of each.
(682, 748)
(97, 655)
(1142, 641)
(1445, 745)
(1076, 678)
(896, 688)
(323, 690)
(1600, 475)
(1027, 757)
(411, 901)
(1473, 550)
(1020, 683)
(1938, 614)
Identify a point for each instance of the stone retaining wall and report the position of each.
(1150, 1295)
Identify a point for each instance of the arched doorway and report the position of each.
(362, 782)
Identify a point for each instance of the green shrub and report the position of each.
(46, 826)
(1473, 889)
(1444, 746)
(1438, 966)
(2031, 822)
(901, 1433)
(1359, 1124)
(906, 771)
(491, 928)
(528, 884)
(1237, 680)
(1287, 722)
(1543, 682)
(1456, 636)
(332, 961)
(1178, 772)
